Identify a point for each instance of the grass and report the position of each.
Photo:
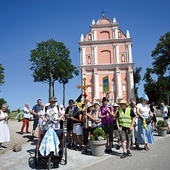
(12, 115)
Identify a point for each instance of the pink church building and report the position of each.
(106, 61)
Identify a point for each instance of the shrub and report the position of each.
(98, 134)
(162, 123)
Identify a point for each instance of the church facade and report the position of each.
(106, 61)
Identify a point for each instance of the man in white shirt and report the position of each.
(26, 119)
(51, 115)
(165, 114)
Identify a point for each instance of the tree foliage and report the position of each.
(151, 86)
(50, 62)
(2, 101)
(159, 89)
(1, 75)
(137, 78)
(161, 56)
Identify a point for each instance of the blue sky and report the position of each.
(27, 22)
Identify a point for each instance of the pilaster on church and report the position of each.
(130, 84)
(96, 86)
(107, 52)
(116, 33)
(118, 85)
(82, 55)
(129, 52)
(94, 55)
(116, 53)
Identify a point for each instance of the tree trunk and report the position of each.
(51, 87)
(64, 94)
(53, 94)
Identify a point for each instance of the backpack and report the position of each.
(61, 122)
(46, 107)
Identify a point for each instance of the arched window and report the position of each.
(89, 60)
(89, 37)
(123, 58)
(119, 34)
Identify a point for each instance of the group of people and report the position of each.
(132, 123)
(127, 120)
(42, 113)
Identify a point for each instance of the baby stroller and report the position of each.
(51, 147)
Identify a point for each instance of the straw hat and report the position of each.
(89, 105)
(122, 101)
(96, 103)
(115, 105)
(53, 99)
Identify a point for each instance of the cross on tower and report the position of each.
(103, 12)
(84, 87)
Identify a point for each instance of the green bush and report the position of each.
(162, 123)
(98, 134)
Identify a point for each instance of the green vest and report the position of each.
(125, 119)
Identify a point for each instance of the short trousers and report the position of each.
(125, 134)
(77, 129)
(154, 119)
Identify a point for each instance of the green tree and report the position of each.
(2, 101)
(159, 89)
(151, 87)
(161, 57)
(161, 65)
(50, 62)
(1, 75)
(137, 78)
(67, 72)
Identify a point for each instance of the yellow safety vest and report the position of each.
(125, 119)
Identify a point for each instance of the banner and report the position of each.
(105, 84)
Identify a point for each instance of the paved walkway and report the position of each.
(25, 159)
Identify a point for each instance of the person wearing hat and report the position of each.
(132, 105)
(70, 110)
(4, 130)
(125, 121)
(116, 132)
(97, 112)
(107, 115)
(144, 135)
(77, 119)
(89, 126)
(51, 115)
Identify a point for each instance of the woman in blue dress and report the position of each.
(145, 135)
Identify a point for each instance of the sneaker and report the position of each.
(84, 151)
(124, 155)
(117, 147)
(129, 153)
(72, 145)
(1, 148)
(60, 152)
(75, 148)
(69, 145)
(106, 150)
(109, 150)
